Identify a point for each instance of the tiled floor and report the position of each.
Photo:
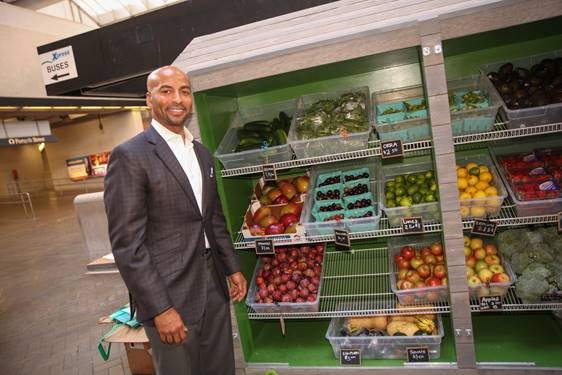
(49, 307)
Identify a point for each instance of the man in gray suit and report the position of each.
(169, 236)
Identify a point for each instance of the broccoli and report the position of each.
(530, 287)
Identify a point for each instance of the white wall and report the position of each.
(21, 32)
(86, 138)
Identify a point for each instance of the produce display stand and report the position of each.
(383, 45)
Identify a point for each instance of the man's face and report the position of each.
(169, 98)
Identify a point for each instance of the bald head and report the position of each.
(169, 97)
(157, 75)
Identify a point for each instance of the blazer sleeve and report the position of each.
(125, 205)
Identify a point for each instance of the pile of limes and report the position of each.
(477, 192)
(409, 189)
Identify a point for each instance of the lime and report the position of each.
(433, 187)
(405, 202)
(417, 197)
(429, 198)
(423, 189)
(411, 179)
(400, 191)
(412, 189)
(390, 184)
(429, 174)
(474, 171)
(400, 179)
(389, 195)
(390, 203)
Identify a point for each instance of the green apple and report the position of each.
(496, 268)
(480, 265)
(474, 280)
(485, 275)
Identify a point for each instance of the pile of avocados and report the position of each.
(524, 88)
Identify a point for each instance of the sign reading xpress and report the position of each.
(58, 65)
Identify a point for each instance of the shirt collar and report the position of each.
(168, 135)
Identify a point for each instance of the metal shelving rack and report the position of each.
(358, 284)
(499, 131)
(506, 217)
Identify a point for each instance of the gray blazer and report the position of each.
(156, 227)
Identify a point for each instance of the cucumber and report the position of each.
(259, 126)
(243, 133)
(279, 137)
(250, 141)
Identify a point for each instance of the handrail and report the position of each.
(20, 198)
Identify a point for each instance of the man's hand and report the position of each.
(170, 327)
(238, 286)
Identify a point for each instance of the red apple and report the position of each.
(440, 259)
(429, 259)
(433, 281)
(406, 285)
(439, 271)
(485, 275)
(500, 278)
(267, 221)
(291, 208)
(436, 249)
(403, 264)
(273, 194)
(287, 189)
(261, 213)
(490, 249)
(413, 276)
(301, 183)
(425, 251)
(408, 252)
(492, 259)
(282, 199)
(288, 219)
(275, 228)
(424, 271)
(257, 230)
(398, 258)
(480, 253)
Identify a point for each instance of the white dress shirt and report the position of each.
(184, 152)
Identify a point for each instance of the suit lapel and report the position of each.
(165, 154)
(205, 171)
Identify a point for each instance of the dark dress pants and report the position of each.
(208, 349)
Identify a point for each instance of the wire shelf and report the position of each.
(356, 284)
(418, 148)
(385, 230)
(512, 303)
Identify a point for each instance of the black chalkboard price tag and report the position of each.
(341, 239)
(411, 224)
(419, 354)
(392, 149)
(491, 303)
(560, 222)
(484, 227)
(264, 247)
(269, 172)
(350, 357)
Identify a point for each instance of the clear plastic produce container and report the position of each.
(404, 126)
(525, 208)
(482, 207)
(363, 224)
(275, 154)
(533, 116)
(475, 120)
(383, 347)
(494, 289)
(333, 144)
(416, 295)
(283, 307)
(427, 211)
